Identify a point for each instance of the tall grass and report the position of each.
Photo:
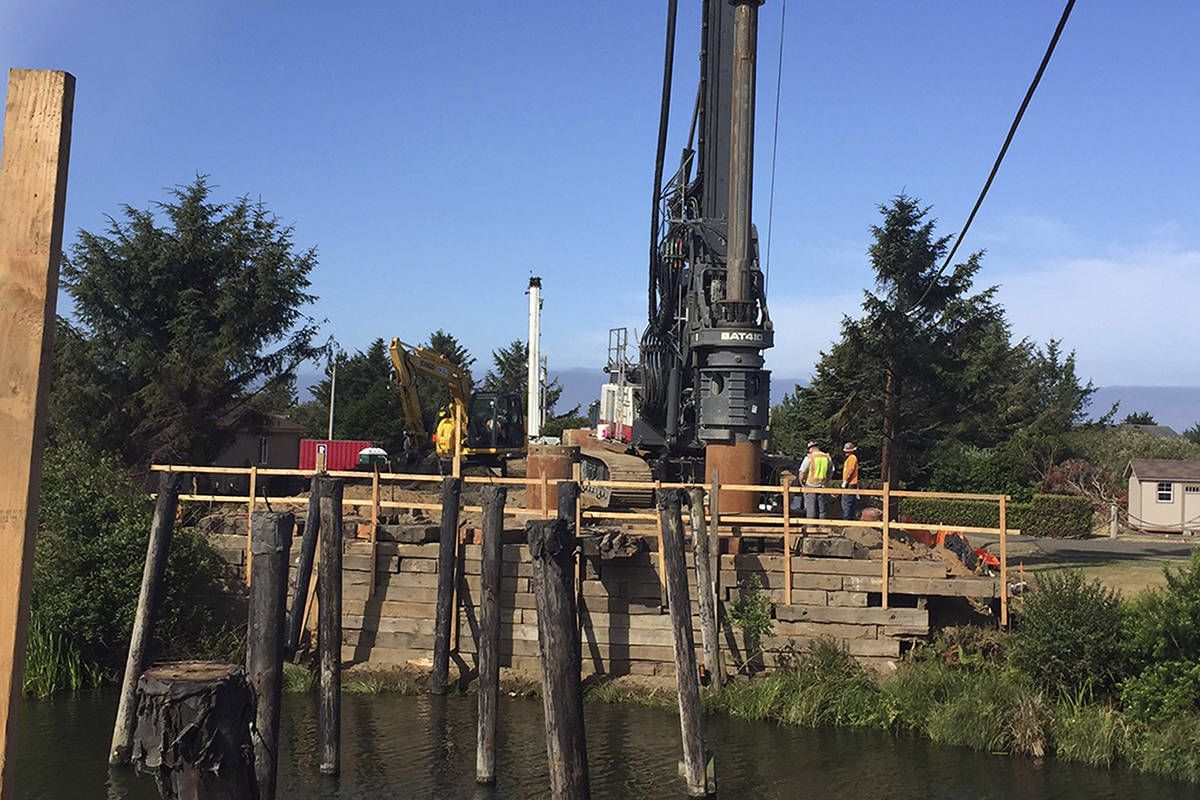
(53, 665)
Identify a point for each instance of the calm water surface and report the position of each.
(420, 747)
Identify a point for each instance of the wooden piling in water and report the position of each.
(193, 731)
(447, 558)
(271, 541)
(679, 602)
(705, 599)
(489, 632)
(552, 550)
(329, 625)
(304, 569)
(157, 548)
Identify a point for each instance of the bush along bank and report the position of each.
(1055, 515)
(1084, 677)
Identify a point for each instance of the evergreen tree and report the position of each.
(180, 311)
(510, 374)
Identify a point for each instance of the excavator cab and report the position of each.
(496, 421)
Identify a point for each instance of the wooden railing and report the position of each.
(762, 525)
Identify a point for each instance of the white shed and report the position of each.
(1164, 495)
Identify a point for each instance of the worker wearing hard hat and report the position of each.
(849, 481)
(814, 472)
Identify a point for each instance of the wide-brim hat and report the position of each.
(848, 447)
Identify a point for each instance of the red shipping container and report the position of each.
(339, 453)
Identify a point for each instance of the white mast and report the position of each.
(533, 414)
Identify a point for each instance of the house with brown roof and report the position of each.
(1164, 495)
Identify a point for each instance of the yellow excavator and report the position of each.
(494, 422)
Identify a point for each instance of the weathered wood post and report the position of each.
(329, 625)
(193, 731)
(304, 568)
(149, 597)
(447, 557)
(33, 191)
(707, 602)
(685, 647)
(270, 544)
(552, 550)
(489, 632)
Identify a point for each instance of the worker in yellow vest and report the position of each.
(814, 472)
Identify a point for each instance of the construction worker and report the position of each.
(814, 471)
(849, 481)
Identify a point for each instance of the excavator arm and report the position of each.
(408, 362)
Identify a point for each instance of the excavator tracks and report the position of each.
(607, 465)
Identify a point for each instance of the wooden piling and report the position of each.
(33, 191)
(447, 558)
(714, 510)
(193, 731)
(329, 625)
(709, 640)
(270, 546)
(250, 518)
(157, 548)
(304, 569)
(685, 647)
(552, 550)
(489, 632)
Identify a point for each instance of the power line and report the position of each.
(999, 158)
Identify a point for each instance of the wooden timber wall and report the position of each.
(625, 629)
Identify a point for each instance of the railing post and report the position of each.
(250, 518)
(545, 497)
(887, 505)
(374, 526)
(787, 541)
(1004, 561)
(458, 440)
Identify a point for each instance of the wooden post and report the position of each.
(709, 641)
(787, 541)
(447, 556)
(264, 640)
(374, 526)
(545, 497)
(659, 568)
(685, 648)
(552, 549)
(714, 509)
(1112, 519)
(329, 625)
(193, 731)
(458, 440)
(1004, 561)
(304, 568)
(489, 632)
(887, 500)
(33, 190)
(149, 597)
(250, 519)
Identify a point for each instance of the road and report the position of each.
(1033, 550)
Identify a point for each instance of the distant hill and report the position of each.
(1177, 406)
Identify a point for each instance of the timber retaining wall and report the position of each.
(625, 627)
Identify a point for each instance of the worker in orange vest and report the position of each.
(849, 481)
(814, 471)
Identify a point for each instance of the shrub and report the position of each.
(1162, 692)
(1164, 624)
(88, 564)
(993, 709)
(1068, 635)
(1171, 749)
(1054, 515)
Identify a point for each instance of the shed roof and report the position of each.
(1165, 469)
(1153, 430)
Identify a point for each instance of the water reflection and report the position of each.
(424, 747)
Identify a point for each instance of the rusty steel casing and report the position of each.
(738, 463)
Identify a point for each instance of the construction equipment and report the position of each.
(703, 400)
(494, 422)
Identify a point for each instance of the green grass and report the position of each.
(53, 665)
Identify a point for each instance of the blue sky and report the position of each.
(437, 154)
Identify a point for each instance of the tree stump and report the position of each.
(193, 731)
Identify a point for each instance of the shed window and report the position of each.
(1165, 492)
(263, 449)
(1191, 490)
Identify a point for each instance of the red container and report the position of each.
(339, 453)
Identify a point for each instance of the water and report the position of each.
(421, 747)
